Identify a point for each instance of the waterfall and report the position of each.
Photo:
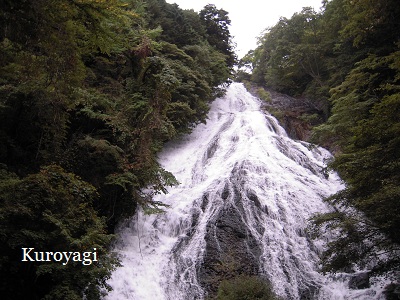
(246, 192)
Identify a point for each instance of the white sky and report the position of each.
(250, 17)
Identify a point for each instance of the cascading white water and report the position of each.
(246, 190)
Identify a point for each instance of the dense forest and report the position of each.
(345, 60)
(90, 92)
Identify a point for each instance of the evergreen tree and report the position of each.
(216, 22)
(365, 126)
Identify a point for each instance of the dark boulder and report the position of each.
(359, 281)
(392, 291)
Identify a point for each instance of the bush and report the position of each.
(51, 211)
(245, 288)
(264, 95)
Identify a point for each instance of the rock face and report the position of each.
(359, 281)
(392, 291)
(292, 113)
(231, 249)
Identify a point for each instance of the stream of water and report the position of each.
(246, 191)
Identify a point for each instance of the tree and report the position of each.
(347, 60)
(364, 126)
(51, 211)
(216, 22)
(292, 58)
(42, 44)
(365, 122)
(89, 93)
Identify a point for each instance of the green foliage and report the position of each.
(346, 59)
(370, 167)
(310, 118)
(311, 52)
(288, 55)
(245, 288)
(264, 95)
(364, 126)
(51, 211)
(96, 87)
(216, 22)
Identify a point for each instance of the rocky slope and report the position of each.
(296, 115)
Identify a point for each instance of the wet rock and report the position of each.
(310, 293)
(231, 250)
(296, 114)
(204, 202)
(359, 281)
(225, 193)
(392, 291)
(253, 197)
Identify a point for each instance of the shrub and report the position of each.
(245, 288)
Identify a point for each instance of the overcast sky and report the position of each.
(250, 17)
